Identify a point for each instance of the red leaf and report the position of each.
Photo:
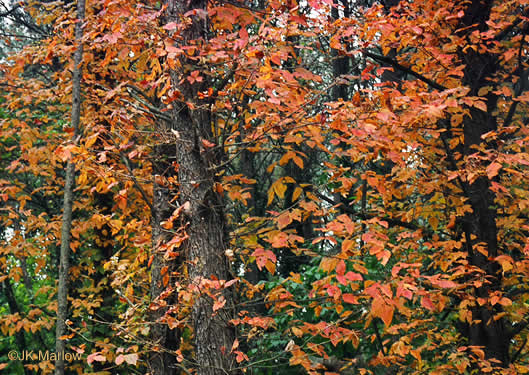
(350, 298)
(95, 357)
(170, 26)
(219, 303)
(493, 169)
(207, 144)
(427, 303)
(340, 267)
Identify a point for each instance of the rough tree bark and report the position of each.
(202, 215)
(62, 294)
(161, 361)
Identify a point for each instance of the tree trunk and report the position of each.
(202, 214)
(340, 64)
(20, 340)
(480, 229)
(161, 361)
(62, 294)
(480, 225)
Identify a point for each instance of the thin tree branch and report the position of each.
(240, 4)
(393, 63)
(518, 327)
(516, 292)
(66, 227)
(379, 338)
(18, 18)
(367, 216)
(9, 11)
(521, 87)
(142, 93)
(519, 351)
(126, 161)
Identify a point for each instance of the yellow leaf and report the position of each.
(434, 222)
(484, 90)
(297, 193)
(505, 261)
(271, 267)
(285, 158)
(270, 196)
(298, 161)
(329, 264)
(91, 140)
(297, 332)
(280, 189)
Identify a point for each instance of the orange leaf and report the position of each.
(328, 264)
(219, 303)
(493, 169)
(235, 345)
(207, 144)
(284, 220)
(382, 310)
(350, 298)
(427, 303)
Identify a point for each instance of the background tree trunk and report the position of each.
(480, 225)
(161, 361)
(62, 295)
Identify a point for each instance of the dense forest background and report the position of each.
(264, 187)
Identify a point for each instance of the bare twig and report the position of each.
(393, 63)
(126, 161)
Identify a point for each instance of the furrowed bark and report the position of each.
(62, 294)
(161, 360)
(202, 215)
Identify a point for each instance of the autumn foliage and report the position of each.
(366, 163)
